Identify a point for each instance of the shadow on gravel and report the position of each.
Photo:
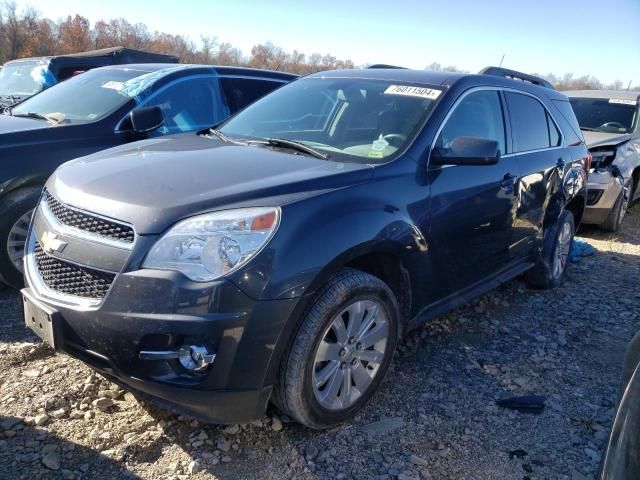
(12, 327)
(28, 452)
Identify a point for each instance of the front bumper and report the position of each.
(604, 189)
(156, 310)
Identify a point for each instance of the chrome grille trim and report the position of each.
(61, 227)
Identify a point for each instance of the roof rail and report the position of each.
(515, 75)
(382, 65)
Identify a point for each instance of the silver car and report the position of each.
(609, 122)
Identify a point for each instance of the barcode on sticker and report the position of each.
(622, 101)
(410, 91)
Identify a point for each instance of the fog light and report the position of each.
(194, 357)
(191, 357)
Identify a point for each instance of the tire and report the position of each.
(546, 273)
(15, 213)
(616, 215)
(296, 392)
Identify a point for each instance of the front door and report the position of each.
(472, 207)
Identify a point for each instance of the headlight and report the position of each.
(209, 246)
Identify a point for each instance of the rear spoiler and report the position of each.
(515, 75)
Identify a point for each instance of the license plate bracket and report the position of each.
(44, 321)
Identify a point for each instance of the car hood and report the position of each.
(600, 139)
(153, 183)
(9, 124)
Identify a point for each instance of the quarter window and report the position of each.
(479, 115)
(554, 134)
(529, 123)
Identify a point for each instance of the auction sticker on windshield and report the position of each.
(409, 91)
(622, 101)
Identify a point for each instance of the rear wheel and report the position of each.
(552, 265)
(15, 214)
(341, 351)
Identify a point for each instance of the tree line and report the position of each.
(27, 33)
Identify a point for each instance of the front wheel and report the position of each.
(341, 351)
(617, 213)
(15, 214)
(550, 269)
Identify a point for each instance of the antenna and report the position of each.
(501, 60)
(629, 86)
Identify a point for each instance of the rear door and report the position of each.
(472, 207)
(537, 148)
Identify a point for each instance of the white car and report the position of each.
(609, 121)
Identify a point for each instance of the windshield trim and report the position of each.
(345, 157)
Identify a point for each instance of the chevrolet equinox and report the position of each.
(279, 256)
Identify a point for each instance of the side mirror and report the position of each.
(467, 151)
(146, 119)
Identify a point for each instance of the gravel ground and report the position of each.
(435, 417)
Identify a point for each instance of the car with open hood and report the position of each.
(102, 108)
(280, 256)
(25, 77)
(609, 122)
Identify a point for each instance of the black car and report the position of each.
(280, 256)
(23, 78)
(95, 111)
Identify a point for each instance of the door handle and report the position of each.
(508, 182)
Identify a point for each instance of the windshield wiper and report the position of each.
(38, 116)
(294, 145)
(219, 135)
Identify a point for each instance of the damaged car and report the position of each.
(280, 256)
(609, 122)
(23, 78)
(103, 108)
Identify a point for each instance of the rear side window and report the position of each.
(479, 115)
(529, 123)
(241, 92)
(568, 122)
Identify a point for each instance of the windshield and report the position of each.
(24, 78)
(345, 119)
(85, 98)
(609, 115)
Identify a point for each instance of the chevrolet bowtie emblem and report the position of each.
(50, 243)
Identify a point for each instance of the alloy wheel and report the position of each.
(17, 239)
(562, 250)
(350, 354)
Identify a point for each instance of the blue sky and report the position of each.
(600, 38)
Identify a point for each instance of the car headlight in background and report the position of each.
(209, 246)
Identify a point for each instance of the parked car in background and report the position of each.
(621, 459)
(103, 108)
(609, 121)
(20, 79)
(281, 256)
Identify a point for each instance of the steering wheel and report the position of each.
(390, 137)
(612, 125)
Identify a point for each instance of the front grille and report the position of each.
(89, 223)
(71, 279)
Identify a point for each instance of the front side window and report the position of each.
(478, 115)
(85, 98)
(528, 122)
(348, 119)
(610, 115)
(189, 105)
